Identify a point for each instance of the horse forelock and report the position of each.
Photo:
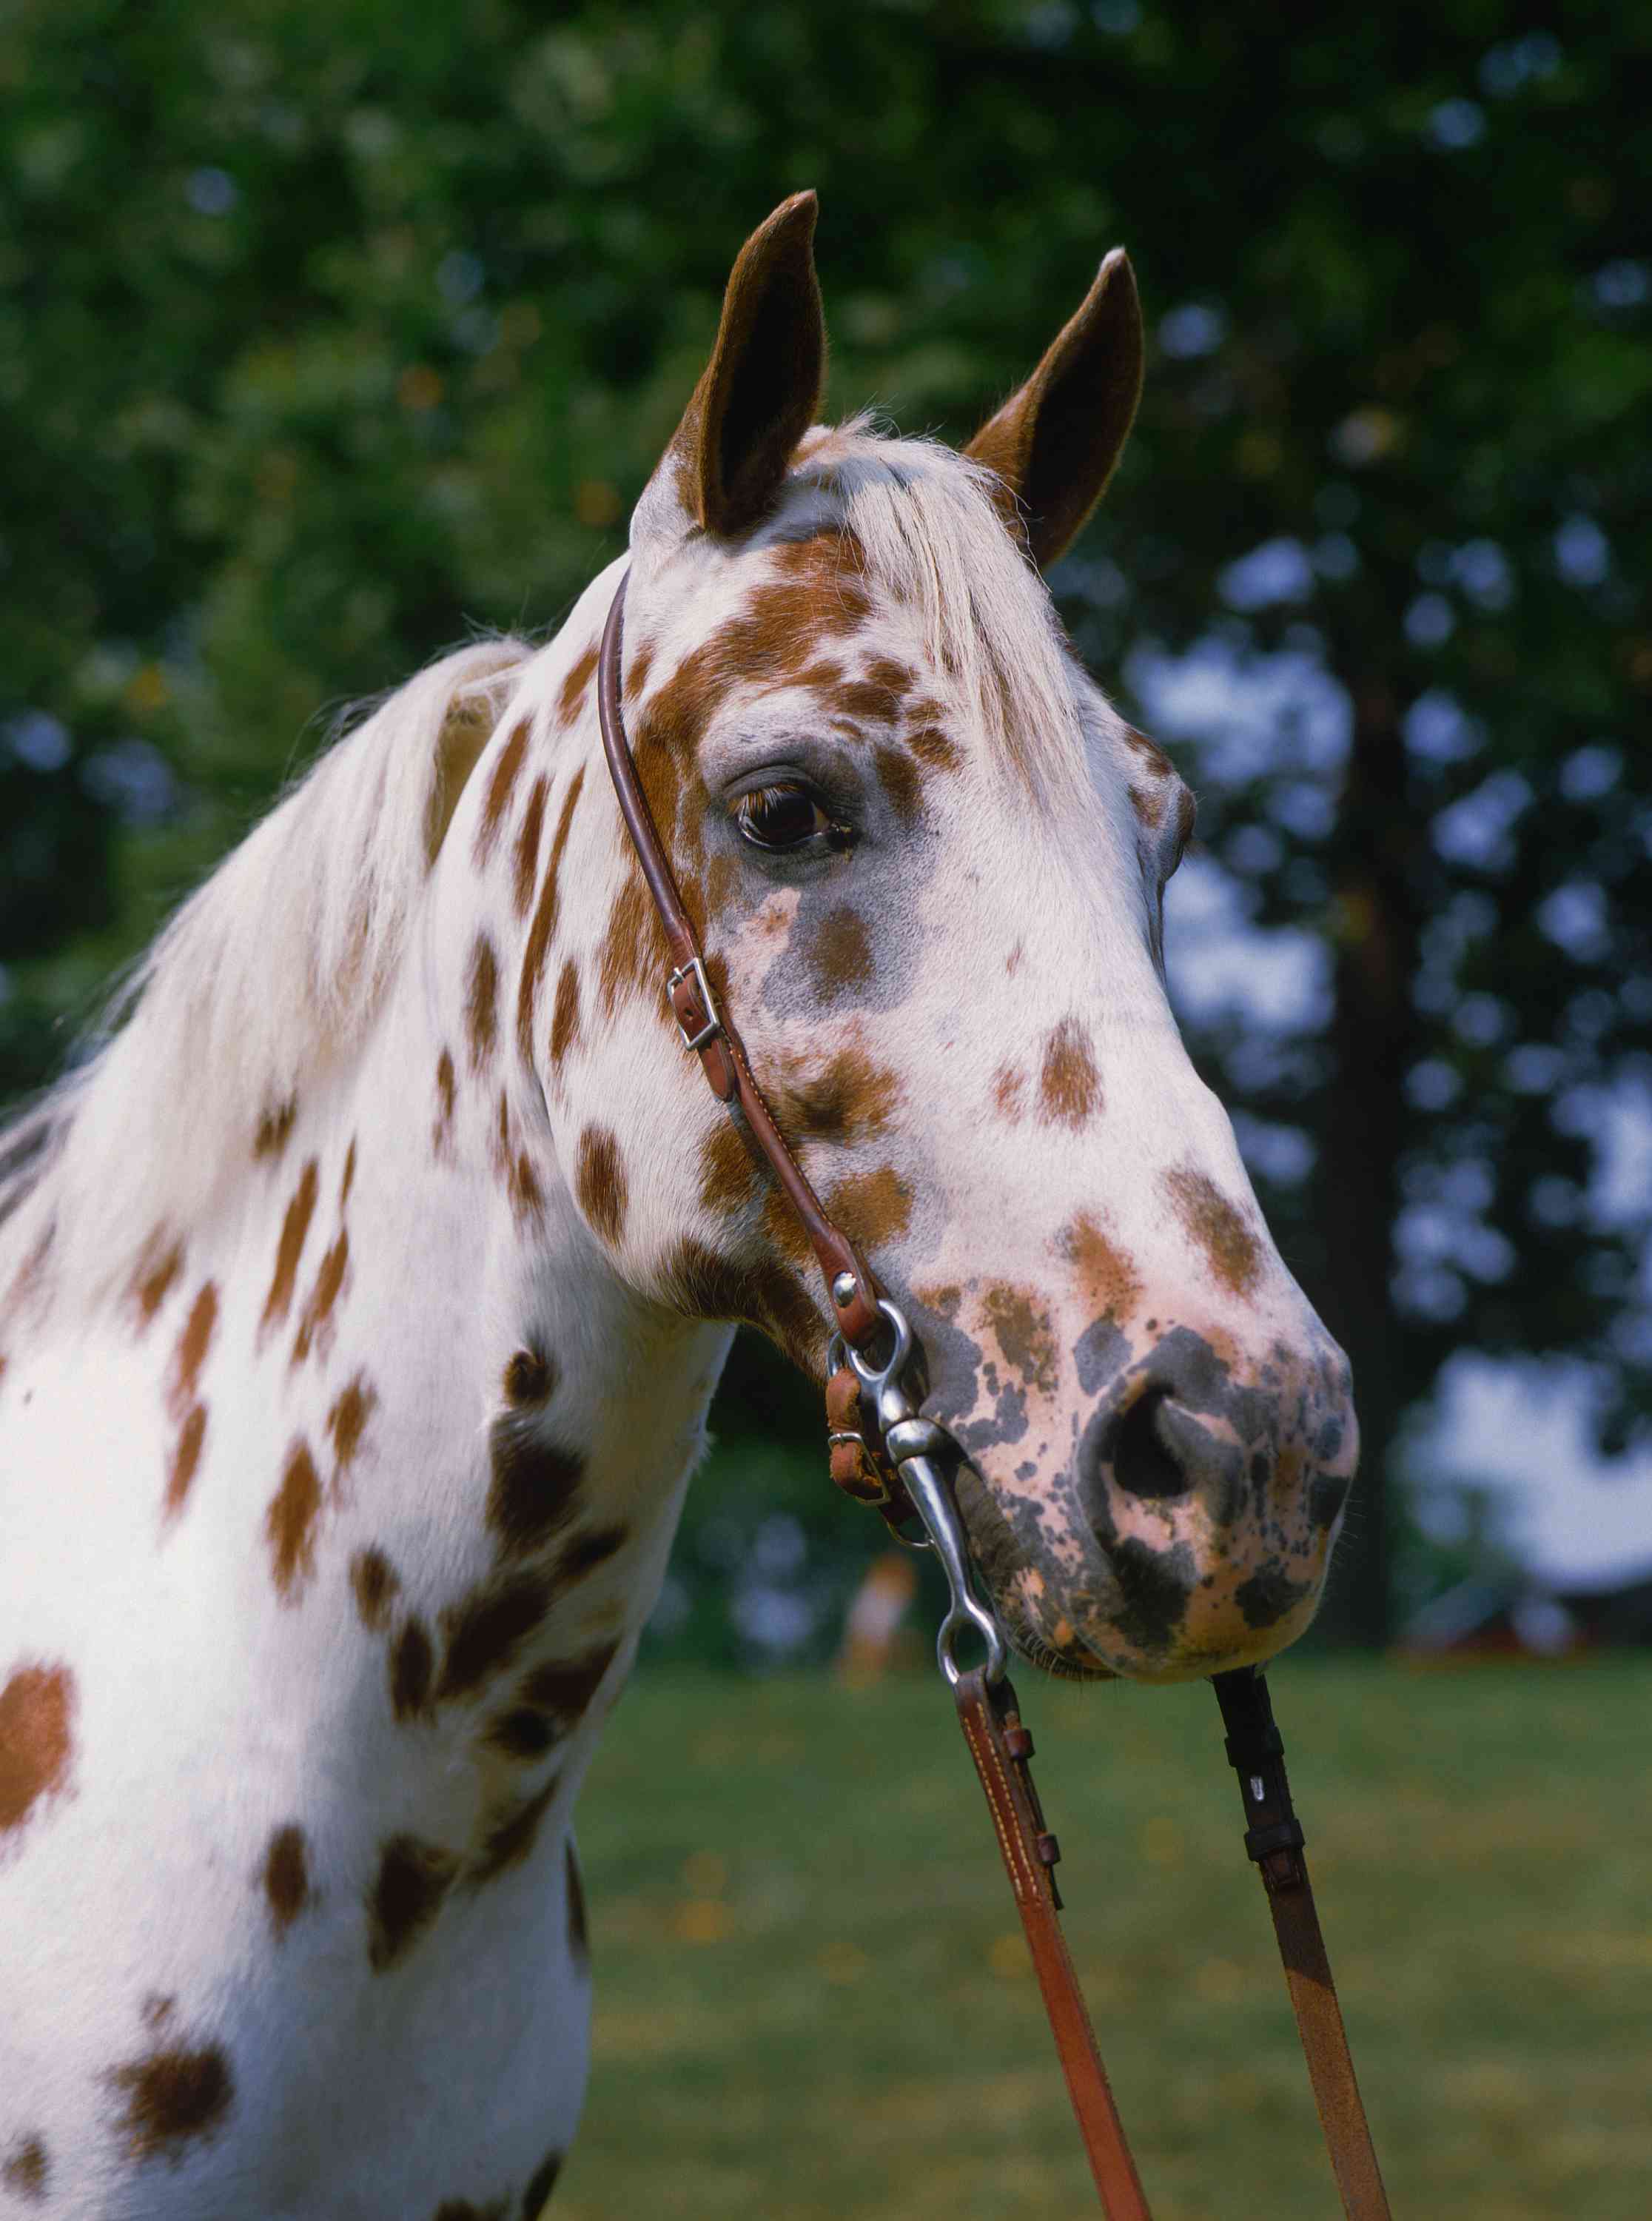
(932, 536)
(865, 520)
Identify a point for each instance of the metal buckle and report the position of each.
(922, 1453)
(714, 1024)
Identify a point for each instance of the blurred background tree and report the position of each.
(326, 334)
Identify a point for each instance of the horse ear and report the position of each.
(1056, 440)
(762, 386)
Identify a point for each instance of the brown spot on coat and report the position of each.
(486, 1628)
(315, 1322)
(535, 1486)
(377, 1583)
(872, 1208)
(843, 1099)
(185, 1461)
(728, 1177)
(285, 1877)
(1069, 1087)
(509, 1842)
(1007, 1087)
(274, 1128)
(897, 679)
(27, 2169)
(413, 1877)
(36, 1739)
(193, 1344)
(413, 1662)
(932, 746)
(863, 701)
(530, 1377)
(527, 854)
(840, 955)
(565, 1015)
(783, 1229)
(784, 625)
(698, 1281)
(347, 1178)
(565, 1687)
(289, 1524)
(1148, 802)
(551, 1703)
(526, 1196)
(501, 785)
(570, 700)
(1150, 750)
(175, 2098)
(460, 2209)
(585, 1553)
(295, 1226)
(639, 662)
(520, 1734)
(482, 1004)
(1218, 1227)
(1107, 1277)
(633, 953)
(466, 729)
(188, 1412)
(442, 1134)
(347, 1420)
(600, 1184)
(545, 922)
(152, 1281)
(901, 781)
(1024, 1335)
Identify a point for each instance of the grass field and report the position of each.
(812, 2000)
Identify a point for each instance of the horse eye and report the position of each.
(780, 817)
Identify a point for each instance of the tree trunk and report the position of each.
(1377, 928)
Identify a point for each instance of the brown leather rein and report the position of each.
(893, 1457)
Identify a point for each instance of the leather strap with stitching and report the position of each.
(1002, 1747)
(706, 1029)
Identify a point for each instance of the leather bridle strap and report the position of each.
(705, 1027)
(1002, 1747)
(1255, 1751)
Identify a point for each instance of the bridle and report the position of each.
(884, 1452)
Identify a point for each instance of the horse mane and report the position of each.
(273, 965)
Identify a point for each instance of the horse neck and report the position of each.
(455, 1354)
(392, 1385)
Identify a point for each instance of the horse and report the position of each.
(363, 1295)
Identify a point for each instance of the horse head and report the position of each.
(927, 859)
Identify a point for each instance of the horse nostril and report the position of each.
(1144, 1460)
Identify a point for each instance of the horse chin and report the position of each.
(1026, 1643)
(1082, 1645)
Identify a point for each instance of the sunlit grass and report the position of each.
(812, 1999)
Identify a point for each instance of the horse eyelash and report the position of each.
(837, 833)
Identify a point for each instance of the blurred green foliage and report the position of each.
(327, 333)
